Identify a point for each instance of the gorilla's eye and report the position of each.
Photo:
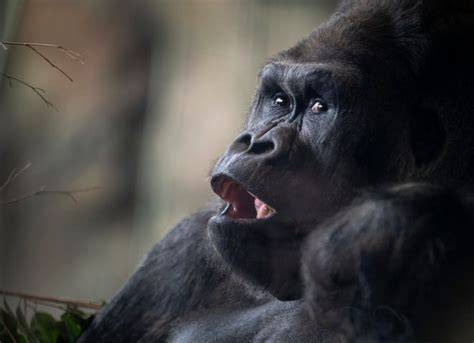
(281, 99)
(319, 107)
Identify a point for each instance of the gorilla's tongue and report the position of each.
(242, 204)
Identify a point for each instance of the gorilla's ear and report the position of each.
(427, 135)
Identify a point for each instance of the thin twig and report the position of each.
(8, 331)
(35, 89)
(68, 52)
(13, 175)
(35, 298)
(42, 191)
(50, 63)
(3, 46)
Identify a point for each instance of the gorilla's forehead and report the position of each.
(277, 71)
(285, 66)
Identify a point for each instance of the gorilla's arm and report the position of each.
(395, 265)
(173, 279)
(370, 272)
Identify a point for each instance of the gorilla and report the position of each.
(344, 211)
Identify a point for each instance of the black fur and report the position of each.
(395, 80)
(378, 269)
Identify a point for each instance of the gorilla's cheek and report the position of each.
(264, 251)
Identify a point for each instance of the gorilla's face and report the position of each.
(317, 131)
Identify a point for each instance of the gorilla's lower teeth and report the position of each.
(225, 209)
(262, 209)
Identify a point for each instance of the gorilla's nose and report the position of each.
(268, 142)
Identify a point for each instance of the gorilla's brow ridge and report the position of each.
(336, 67)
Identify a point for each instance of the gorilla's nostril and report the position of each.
(245, 139)
(261, 147)
(242, 143)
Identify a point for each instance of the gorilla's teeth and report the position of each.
(226, 208)
(262, 210)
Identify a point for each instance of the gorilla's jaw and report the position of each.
(264, 251)
(259, 242)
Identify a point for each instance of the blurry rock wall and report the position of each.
(164, 88)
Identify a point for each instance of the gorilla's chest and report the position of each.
(273, 322)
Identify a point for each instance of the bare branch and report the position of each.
(8, 331)
(13, 175)
(50, 63)
(42, 192)
(45, 300)
(68, 52)
(35, 89)
(3, 46)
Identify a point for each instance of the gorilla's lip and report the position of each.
(241, 203)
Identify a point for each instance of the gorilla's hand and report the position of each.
(375, 267)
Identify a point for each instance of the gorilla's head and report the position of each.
(343, 109)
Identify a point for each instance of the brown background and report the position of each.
(165, 87)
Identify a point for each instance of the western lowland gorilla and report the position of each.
(344, 210)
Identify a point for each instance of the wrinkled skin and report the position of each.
(379, 99)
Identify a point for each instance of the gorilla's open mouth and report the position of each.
(241, 204)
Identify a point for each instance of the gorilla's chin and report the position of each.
(265, 251)
(256, 237)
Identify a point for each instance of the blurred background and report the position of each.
(164, 88)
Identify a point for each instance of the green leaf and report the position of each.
(23, 326)
(45, 327)
(7, 308)
(73, 328)
(75, 313)
(81, 318)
